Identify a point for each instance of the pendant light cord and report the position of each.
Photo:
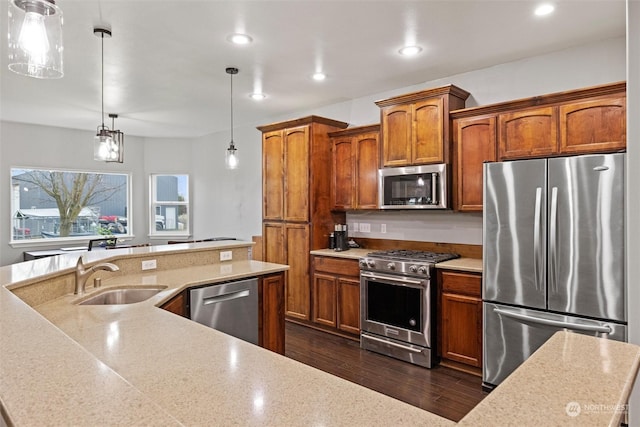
(102, 66)
(232, 109)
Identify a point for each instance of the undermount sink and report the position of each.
(122, 296)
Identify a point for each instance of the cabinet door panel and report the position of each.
(324, 299)
(366, 171)
(462, 329)
(349, 305)
(593, 126)
(528, 133)
(273, 243)
(296, 179)
(272, 176)
(272, 309)
(396, 129)
(342, 188)
(428, 131)
(475, 140)
(297, 257)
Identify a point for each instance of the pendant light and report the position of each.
(108, 144)
(35, 38)
(231, 158)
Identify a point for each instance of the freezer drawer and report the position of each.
(230, 307)
(512, 334)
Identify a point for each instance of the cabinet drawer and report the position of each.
(461, 283)
(342, 267)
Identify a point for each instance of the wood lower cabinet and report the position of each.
(271, 312)
(336, 294)
(288, 243)
(177, 304)
(461, 317)
(355, 161)
(415, 128)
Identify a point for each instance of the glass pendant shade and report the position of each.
(35, 38)
(108, 146)
(231, 159)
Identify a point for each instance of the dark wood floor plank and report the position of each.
(443, 391)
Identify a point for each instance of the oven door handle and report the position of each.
(394, 279)
(393, 344)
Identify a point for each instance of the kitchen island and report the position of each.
(64, 364)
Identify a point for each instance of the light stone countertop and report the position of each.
(64, 364)
(572, 379)
(472, 265)
(354, 253)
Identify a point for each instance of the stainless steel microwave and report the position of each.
(413, 187)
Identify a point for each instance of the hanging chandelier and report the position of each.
(35, 38)
(231, 157)
(108, 144)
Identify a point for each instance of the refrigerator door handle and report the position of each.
(553, 241)
(537, 247)
(555, 323)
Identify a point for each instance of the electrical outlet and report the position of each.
(383, 228)
(354, 226)
(226, 256)
(149, 264)
(365, 227)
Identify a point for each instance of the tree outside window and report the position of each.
(48, 204)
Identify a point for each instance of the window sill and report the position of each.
(69, 241)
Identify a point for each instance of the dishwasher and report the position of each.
(229, 307)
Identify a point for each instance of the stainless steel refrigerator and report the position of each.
(553, 255)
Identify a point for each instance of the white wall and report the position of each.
(60, 148)
(633, 196)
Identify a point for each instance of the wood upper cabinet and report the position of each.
(594, 125)
(397, 131)
(528, 133)
(415, 127)
(461, 317)
(583, 121)
(273, 175)
(336, 294)
(474, 143)
(355, 160)
(296, 179)
(428, 130)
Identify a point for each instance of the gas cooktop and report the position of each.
(412, 255)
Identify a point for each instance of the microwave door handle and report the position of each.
(434, 188)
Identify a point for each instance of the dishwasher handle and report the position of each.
(226, 297)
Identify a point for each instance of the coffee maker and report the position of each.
(341, 237)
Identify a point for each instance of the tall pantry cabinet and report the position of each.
(296, 201)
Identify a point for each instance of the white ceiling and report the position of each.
(165, 64)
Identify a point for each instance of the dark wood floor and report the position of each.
(443, 391)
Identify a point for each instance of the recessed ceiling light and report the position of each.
(410, 50)
(319, 76)
(544, 9)
(257, 96)
(238, 38)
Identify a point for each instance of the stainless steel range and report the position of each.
(397, 304)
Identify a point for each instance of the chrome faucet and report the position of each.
(82, 273)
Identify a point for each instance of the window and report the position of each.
(169, 206)
(64, 205)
